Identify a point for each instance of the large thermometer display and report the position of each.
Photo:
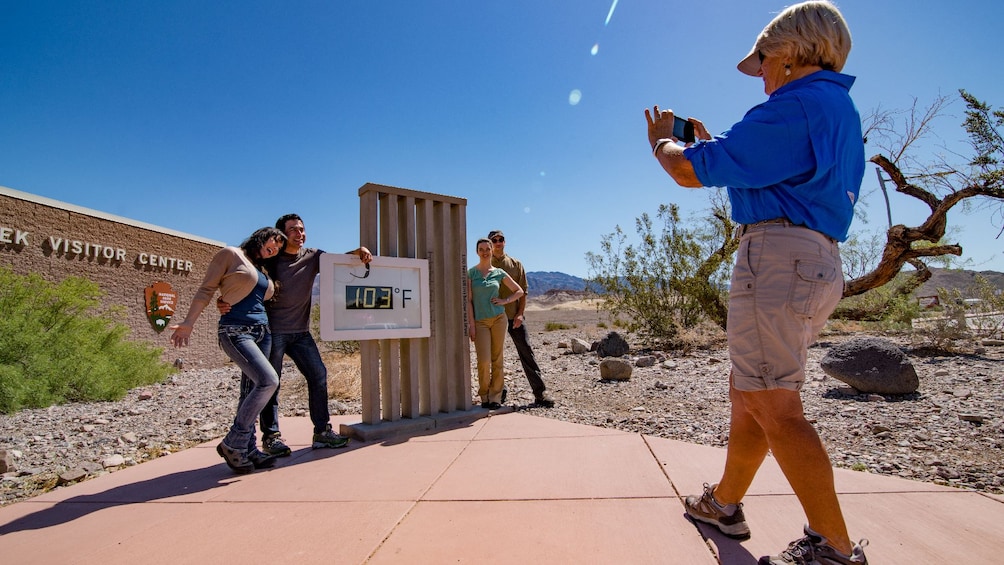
(387, 299)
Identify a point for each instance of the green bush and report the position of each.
(56, 346)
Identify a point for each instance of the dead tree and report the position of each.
(941, 193)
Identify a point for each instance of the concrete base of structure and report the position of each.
(417, 426)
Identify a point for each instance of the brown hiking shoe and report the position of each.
(813, 550)
(729, 519)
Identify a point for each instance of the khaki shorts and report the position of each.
(786, 283)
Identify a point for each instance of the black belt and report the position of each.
(743, 229)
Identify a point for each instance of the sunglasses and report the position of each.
(497, 239)
(761, 56)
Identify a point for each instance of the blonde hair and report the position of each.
(813, 33)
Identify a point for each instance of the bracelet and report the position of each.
(659, 143)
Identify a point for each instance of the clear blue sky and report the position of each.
(213, 118)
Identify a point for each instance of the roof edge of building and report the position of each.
(103, 215)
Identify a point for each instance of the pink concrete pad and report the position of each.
(920, 527)
(689, 466)
(604, 466)
(363, 472)
(298, 431)
(271, 532)
(996, 497)
(192, 475)
(87, 533)
(639, 530)
(519, 426)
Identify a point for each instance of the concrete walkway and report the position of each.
(509, 488)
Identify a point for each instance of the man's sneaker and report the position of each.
(273, 445)
(260, 459)
(729, 519)
(813, 550)
(543, 400)
(328, 438)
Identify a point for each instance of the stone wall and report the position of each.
(124, 257)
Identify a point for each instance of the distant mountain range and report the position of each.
(543, 281)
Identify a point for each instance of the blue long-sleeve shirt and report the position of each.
(799, 155)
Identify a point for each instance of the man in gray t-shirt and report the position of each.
(289, 321)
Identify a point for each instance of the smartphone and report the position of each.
(683, 130)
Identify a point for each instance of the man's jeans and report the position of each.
(302, 349)
(525, 352)
(248, 347)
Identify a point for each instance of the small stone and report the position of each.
(113, 461)
(71, 476)
(614, 369)
(6, 461)
(975, 418)
(646, 361)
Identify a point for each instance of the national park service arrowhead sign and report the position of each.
(161, 301)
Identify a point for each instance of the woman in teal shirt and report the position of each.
(486, 322)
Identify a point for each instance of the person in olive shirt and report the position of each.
(514, 313)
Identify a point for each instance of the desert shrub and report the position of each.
(672, 279)
(892, 305)
(964, 314)
(57, 346)
(552, 326)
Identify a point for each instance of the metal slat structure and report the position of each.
(419, 384)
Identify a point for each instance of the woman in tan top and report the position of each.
(237, 273)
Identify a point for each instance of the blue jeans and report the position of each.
(248, 347)
(302, 349)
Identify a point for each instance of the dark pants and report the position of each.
(525, 352)
(302, 349)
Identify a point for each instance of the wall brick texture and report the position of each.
(58, 241)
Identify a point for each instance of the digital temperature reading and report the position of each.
(369, 297)
(387, 298)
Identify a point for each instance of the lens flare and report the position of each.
(574, 97)
(611, 13)
(526, 210)
(595, 49)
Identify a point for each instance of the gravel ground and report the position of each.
(927, 436)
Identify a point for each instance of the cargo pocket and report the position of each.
(810, 284)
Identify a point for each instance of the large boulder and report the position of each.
(615, 370)
(871, 364)
(614, 345)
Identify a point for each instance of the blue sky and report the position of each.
(214, 118)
